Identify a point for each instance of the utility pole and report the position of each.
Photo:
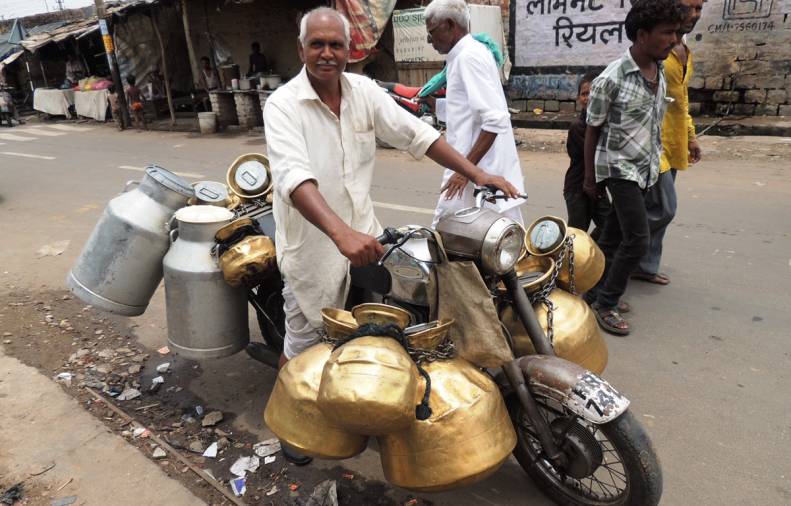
(59, 3)
(101, 13)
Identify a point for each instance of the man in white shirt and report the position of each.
(321, 130)
(476, 111)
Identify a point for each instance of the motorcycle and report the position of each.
(407, 98)
(576, 437)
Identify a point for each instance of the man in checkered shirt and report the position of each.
(623, 146)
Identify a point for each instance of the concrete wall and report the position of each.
(741, 49)
(742, 56)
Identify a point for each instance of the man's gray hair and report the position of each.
(454, 10)
(303, 24)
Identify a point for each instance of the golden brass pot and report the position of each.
(338, 322)
(588, 262)
(547, 223)
(381, 314)
(249, 262)
(294, 416)
(577, 337)
(533, 273)
(369, 386)
(429, 339)
(468, 436)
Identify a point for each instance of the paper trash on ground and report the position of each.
(211, 451)
(243, 465)
(267, 448)
(239, 487)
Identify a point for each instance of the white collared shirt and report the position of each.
(476, 101)
(307, 142)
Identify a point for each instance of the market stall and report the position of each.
(91, 104)
(54, 102)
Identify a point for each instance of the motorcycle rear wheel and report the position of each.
(625, 468)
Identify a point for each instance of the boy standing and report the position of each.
(623, 146)
(581, 208)
(115, 106)
(135, 98)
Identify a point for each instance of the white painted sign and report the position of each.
(411, 43)
(569, 32)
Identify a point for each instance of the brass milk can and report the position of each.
(294, 416)
(576, 334)
(369, 385)
(467, 437)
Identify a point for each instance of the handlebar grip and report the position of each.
(389, 236)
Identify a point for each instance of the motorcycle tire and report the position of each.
(641, 472)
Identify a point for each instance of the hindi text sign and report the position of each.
(569, 32)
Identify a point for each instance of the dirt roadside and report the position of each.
(81, 349)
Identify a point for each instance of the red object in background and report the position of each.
(368, 19)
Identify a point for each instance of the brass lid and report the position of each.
(533, 272)
(381, 314)
(545, 235)
(432, 337)
(339, 322)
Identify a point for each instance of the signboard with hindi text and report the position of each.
(551, 33)
(410, 35)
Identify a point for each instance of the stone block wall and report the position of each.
(741, 54)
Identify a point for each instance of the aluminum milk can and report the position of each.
(207, 318)
(120, 266)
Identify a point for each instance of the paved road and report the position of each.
(707, 366)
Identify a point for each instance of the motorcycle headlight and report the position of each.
(485, 236)
(502, 246)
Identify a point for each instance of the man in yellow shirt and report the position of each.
(679, 149)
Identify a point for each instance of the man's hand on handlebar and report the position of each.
(361, 249)
(500, 183)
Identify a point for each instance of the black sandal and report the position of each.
(610, 319)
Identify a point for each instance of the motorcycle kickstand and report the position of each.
(263, 353)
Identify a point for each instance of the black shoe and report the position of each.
(294, 456)
(263, 353)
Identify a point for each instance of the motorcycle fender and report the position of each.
(584, 393)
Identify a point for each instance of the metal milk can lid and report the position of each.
(251, 177)
(170, 181)
(211, 192)
(546, 235)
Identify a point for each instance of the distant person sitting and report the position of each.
(208, 77)
(135, 98)
(74, 71)
(258, 63)
(581, 208)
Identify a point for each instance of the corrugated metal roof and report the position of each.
(76, 28)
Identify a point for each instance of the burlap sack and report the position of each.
(461, 294)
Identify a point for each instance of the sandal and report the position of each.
(658, 279)
(611, 321)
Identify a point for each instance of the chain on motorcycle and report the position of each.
(542, 296)
(572, 275)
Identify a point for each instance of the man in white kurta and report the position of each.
(321, 130)
(474, 107)
(305, 141)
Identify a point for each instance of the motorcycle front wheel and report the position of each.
(613, 464)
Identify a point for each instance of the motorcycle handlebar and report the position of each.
(389, 236)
